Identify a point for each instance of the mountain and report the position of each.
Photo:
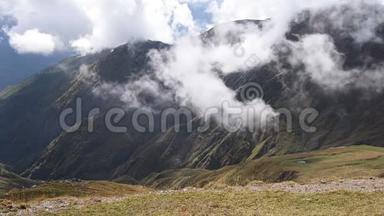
(10, 180)
(29, 112)
(33, 143)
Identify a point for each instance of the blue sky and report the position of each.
(200, 14)
(15, 67)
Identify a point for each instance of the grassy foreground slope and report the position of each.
(330, 164)
(72, 189)
(240, 203)
(52, 196)
(324, 186)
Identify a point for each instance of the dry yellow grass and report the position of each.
(72, 189)
(240, 203)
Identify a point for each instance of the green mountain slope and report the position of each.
(10, 180)
(323, 165)
(29, 112)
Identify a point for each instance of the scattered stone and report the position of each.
(22, 206)
(97, 200)
(360, 185)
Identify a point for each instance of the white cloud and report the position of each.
(116, 22)
(87, 25)
(32, 41)
(191, 70)
(229, 10)
(324, 65)
(321, 60)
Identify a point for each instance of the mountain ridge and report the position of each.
(343, 119)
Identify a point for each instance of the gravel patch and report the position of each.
(354, 185)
